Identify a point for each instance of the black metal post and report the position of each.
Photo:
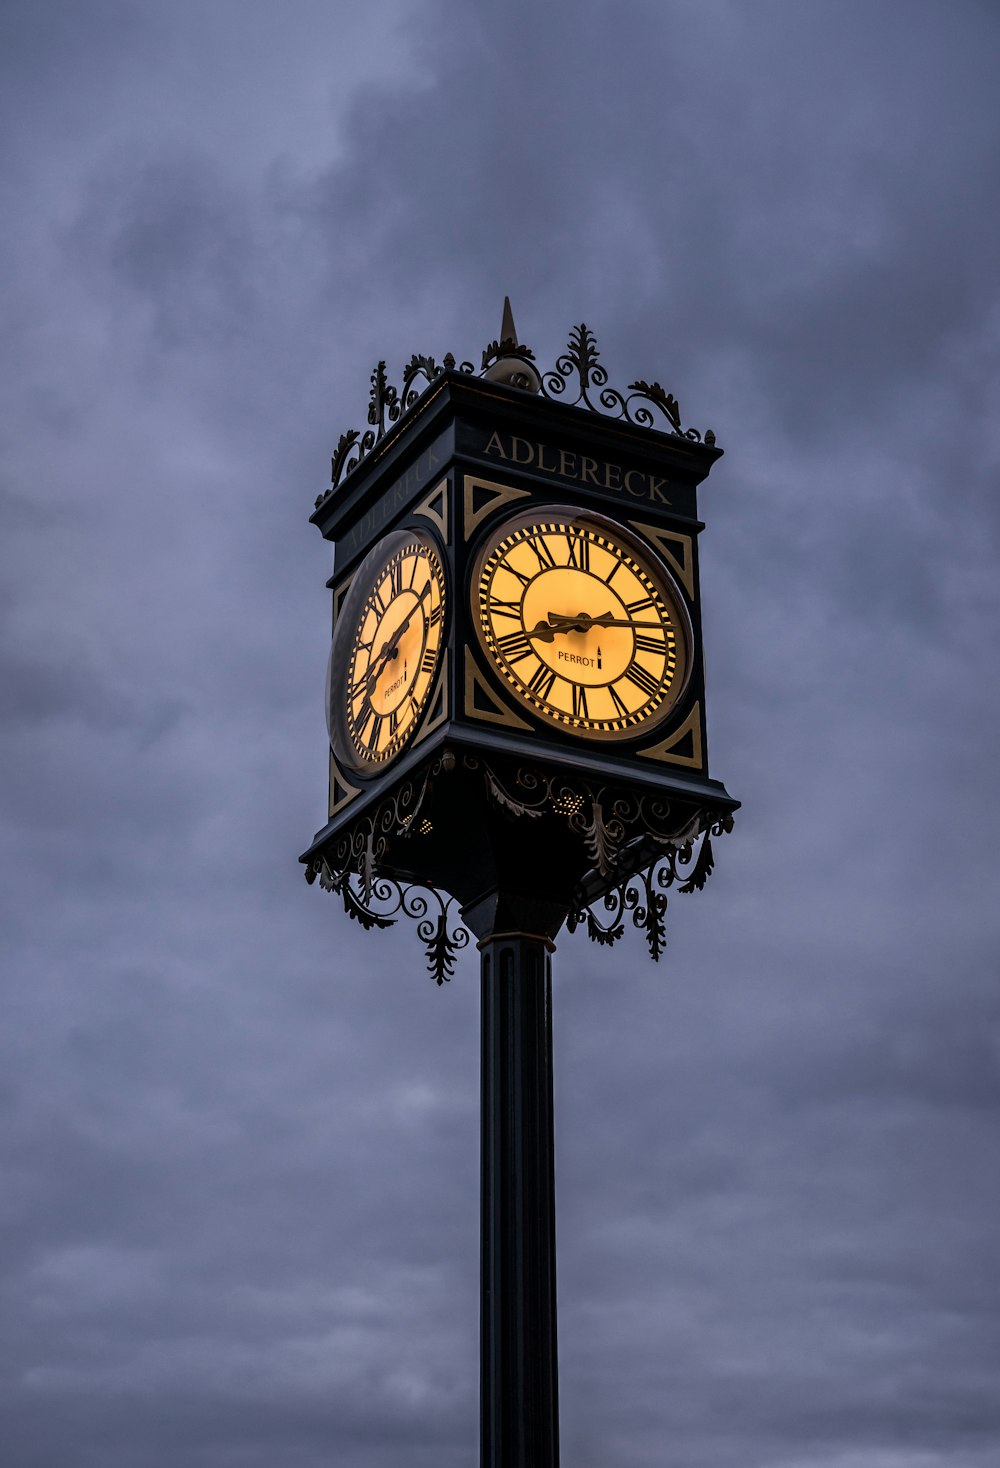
(519, 1394)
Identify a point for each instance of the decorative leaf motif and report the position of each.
(504, 799)
(368, 867)
(425, 367)
(663, 400)
(344, 447)
(582, 352)
(703, 868)
(606, 937)
(598, 840)
(327, 880)
(506, 348)
(384, 400)
(653, 922)
(361, 914)
(441, 953)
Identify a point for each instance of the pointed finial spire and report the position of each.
(506, 360)
(508, 331)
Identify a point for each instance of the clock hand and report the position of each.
(374, 670)
(625, 622)
(389, 648)
(544, 632)
(582, 622)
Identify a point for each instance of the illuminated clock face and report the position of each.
(386, 651)
(582, 622)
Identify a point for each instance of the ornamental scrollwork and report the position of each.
(350, 868)
(607, 820)
(638, 845)
(381, 902)
(578, 379)
(578, 365)
(509, 347)
(642, 896)
(383, 405)
(614, 826)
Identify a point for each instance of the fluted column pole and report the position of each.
(519, 1394)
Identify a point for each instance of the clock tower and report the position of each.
(518, 739)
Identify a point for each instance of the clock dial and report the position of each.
(582, 622)
(386, 651)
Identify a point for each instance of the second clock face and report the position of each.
(582, 622)
(386, 652)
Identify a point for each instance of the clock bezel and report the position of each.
(342, 648)
(649, 562)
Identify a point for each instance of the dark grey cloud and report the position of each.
(238, 1139)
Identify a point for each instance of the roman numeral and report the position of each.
(515, 572)
(362, 680)
(642, 678)
(429, 660)
(541, 682)
(395, 578)
(579, 550)
(393, 723)
(645, 605)
(645, 643)
(514, 646)
(620, 707)
(543, 553)
(500, 608)
(580, 710)
(436, 613)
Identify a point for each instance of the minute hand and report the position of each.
(582, 621)
(375, 669)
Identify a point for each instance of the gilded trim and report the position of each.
(683, 568)
(438, 711)
(339, 592)
(501, 494)
(342, 792)
(437, 516)
(498, 712)
(691, 728)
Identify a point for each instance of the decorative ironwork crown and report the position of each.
(645, 404)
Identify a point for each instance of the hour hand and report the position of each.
(545, 631)
(557, 622)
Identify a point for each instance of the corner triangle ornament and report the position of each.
(510, 362)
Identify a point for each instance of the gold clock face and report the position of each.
(386, 651)
(582, 622)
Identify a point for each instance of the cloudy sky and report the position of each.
(238, 1138)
